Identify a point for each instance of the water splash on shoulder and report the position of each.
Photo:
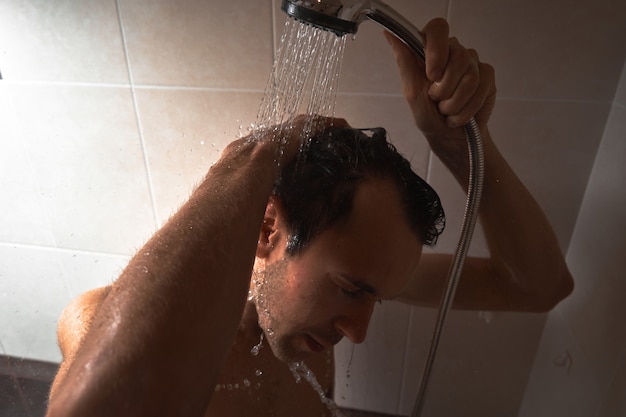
(299, 371)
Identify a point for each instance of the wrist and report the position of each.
(453, 150)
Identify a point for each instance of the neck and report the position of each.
(249, 332)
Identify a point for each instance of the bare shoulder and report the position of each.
(76, 318)
(73, 325)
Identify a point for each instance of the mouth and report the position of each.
(318, 345)
(314, 345)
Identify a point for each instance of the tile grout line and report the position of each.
(257, 90)
(403, 382)
(137, 116)
(63, 250)
(273, 23)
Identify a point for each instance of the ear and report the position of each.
(272, 235)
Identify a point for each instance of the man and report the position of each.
(207, 314)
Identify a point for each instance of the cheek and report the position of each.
(308, 297)
(301, 291)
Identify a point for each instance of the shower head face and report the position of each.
(323, 14)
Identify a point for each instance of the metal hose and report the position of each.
(343, 17)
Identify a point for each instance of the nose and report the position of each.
(354, 323)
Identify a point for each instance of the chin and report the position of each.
(290, 355)
(286, 352)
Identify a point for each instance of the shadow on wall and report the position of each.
(24, 386)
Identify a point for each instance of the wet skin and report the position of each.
(312, 300)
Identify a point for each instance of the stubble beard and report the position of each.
(268, 294)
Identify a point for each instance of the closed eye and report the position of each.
(351, 293)
(353, 289)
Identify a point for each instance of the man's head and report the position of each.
(317, 190)
(344, 228)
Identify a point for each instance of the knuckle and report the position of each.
(487, 69)
(438, 23)
(472, 79)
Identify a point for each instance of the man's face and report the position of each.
(307, 303)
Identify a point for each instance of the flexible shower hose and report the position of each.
(405, 31)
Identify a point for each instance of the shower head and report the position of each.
(323, 14)
(344, 16)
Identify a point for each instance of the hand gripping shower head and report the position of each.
(343, 17)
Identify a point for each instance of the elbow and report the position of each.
(563, 286)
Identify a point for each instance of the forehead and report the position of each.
(375, 245)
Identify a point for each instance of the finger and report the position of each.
(436, 48)
(339, 122)
(481, 103)
(405, 58)
(459, 62)
(465, 90)
(410, 69)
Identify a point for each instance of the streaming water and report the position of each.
(299, 371)
(256, 348)
(307, 65)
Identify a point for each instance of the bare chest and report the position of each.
(263, 386)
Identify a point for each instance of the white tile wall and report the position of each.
(111, 111)
(562, 381)
(33, 292)
(65, 40)
(218, 43)
(592, 317)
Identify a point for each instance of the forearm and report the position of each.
(158, 341)
(523, 246)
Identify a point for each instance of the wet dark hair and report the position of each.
(317, 189)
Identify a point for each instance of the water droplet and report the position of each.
(256, 348)
(258, 372)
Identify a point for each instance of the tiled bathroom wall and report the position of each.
(112, 110)
(582, 355)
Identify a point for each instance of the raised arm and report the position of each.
(160, 336)
(526, 270)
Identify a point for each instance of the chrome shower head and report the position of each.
(324, 14)
(344, 16)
